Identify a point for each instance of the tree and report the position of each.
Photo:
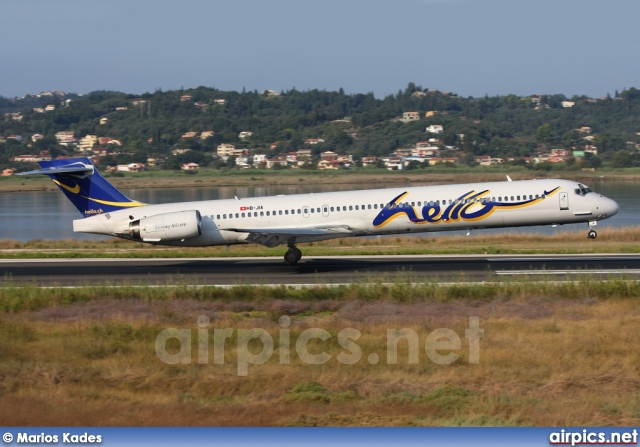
(543, 134)
(621, 159)
(470, 160)
(172, 164)
(412, 165)
(591, 161)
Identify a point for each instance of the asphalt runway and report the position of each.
(315, 270)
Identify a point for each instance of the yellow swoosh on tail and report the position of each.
(74, 190)
(106, 202)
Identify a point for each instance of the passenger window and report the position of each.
(350, 207)
(326, 210)
(242, 215)
(344, 208)
(313, 210)
(375, 206)
(286, 212)
(369, 206)
(357, 208)
(299, 211)
(224, 216)
(261, 213)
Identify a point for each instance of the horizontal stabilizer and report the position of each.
(74, 168)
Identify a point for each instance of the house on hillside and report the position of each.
(87, 142)
(225, 150)
(435, 128)
(131, 167)
(190, 167)
(369, 161)
(324, 165)
(410, 116)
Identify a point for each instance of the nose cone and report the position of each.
(609, 207)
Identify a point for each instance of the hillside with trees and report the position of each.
(155, 124)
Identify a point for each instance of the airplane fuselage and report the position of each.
(366, 212)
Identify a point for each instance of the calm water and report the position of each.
(49, 215)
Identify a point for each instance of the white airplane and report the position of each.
(293, 219)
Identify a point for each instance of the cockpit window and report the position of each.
(582, 190)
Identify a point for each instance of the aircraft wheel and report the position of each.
(292, 256)
(592, 234)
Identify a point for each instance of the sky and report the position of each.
(468, 47)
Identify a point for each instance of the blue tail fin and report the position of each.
(78, 179)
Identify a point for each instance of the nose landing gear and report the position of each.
(592, 233)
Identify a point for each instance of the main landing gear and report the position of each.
(293, 255)
(592, 233)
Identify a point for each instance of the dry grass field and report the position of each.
(552, 354)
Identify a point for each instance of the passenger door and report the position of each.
(564, 201)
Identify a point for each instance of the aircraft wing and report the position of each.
(272, 237)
